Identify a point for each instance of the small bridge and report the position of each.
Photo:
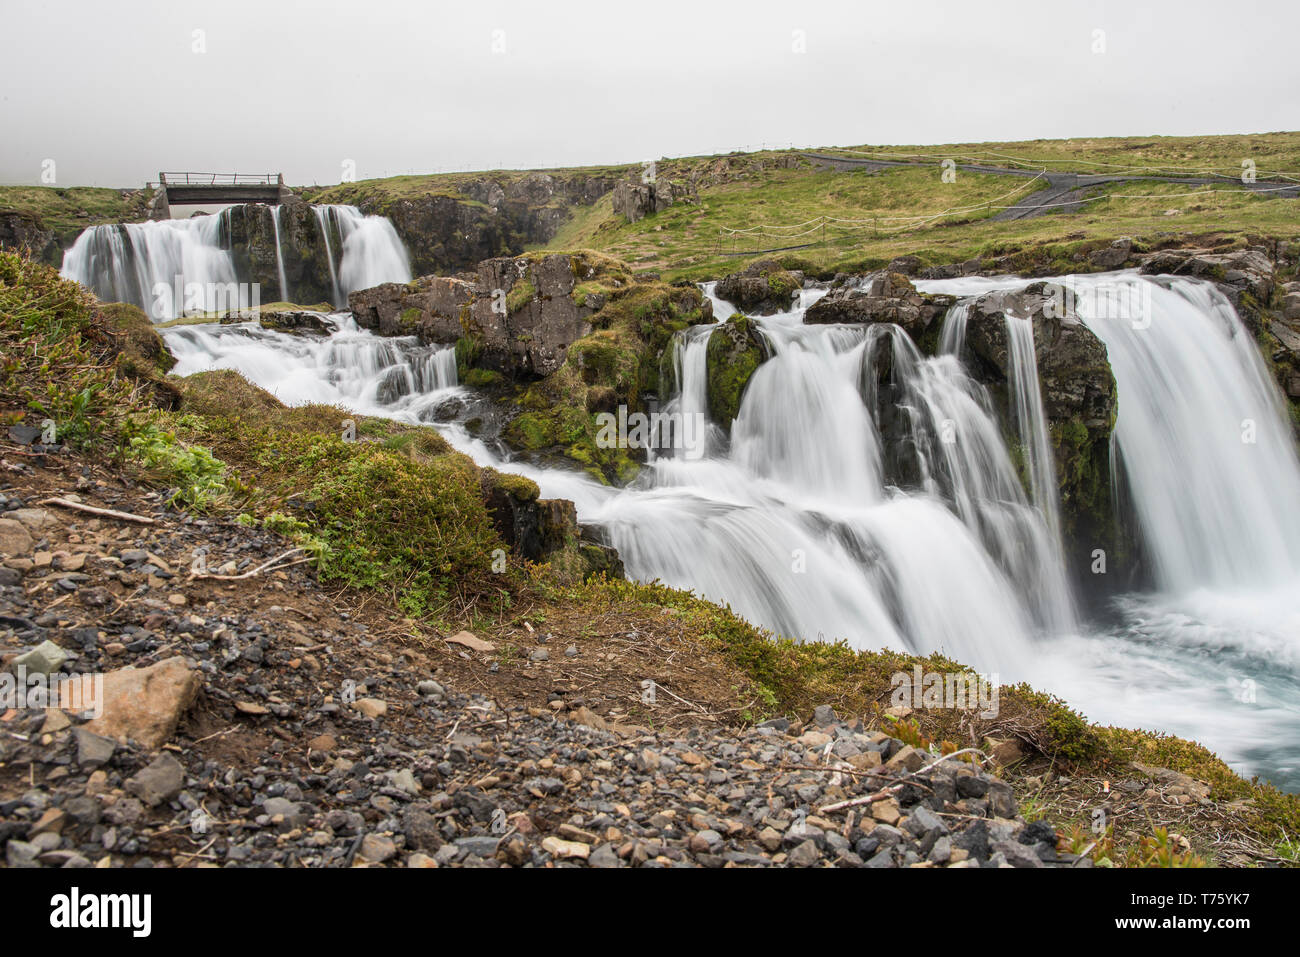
(190, 189)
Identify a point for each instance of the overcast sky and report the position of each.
(113, 91)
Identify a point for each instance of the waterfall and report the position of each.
(1202, 432)
(325, 219)
(279, 256)
(172, 268)
(151, 264)
(867, 493)
(1031, 420)
(352, 367)
(372, 251)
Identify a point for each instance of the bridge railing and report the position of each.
(220, 179)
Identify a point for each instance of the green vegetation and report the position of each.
(199, 478)
(67, 358)
(395, 509)
(69, 210)
(733, 355)
(616, 364)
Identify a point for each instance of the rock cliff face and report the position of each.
(635, 201)
(489, 217)
(518, 316)
(883, 297)
(302, 244)
(25, 231)
(735, 351)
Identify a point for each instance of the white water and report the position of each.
(796, 525)
(191, 261)
(279, 256)
(352, 368)
(325, 219)
(372, 251)
(130, 262)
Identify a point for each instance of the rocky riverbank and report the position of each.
(250, 719)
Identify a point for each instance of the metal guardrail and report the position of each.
(220, 179)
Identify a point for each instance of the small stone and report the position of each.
(604, 856)
(565, 849)
(376, 849)
(886, 811)
(907, 758)
(55, 720)
(177, 599)
(45, 659)
(159, 782)
(371, 707)
(704, 842)
(323, 742)
(539, 654)
(824, 716)
(804, 855)
(93, 749)
(51, 822)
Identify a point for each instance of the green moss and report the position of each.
(521, 294)
(734, 353)
(482, 378)
(67, 358)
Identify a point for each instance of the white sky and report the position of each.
(112, 90)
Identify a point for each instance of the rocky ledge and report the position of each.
(522, 314)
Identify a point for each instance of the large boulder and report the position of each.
(882, 297)
(519, 315)
(735, 351)
(761, 288)
(146, 704)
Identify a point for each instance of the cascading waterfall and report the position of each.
(325, 219)
(963, 461)
(150, 264)
(279, 256)
(1031, 421)
(1204, 438)
(353, 368)
(372, 251)
(888, 511)
(178, 267)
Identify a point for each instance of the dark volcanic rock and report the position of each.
(761, 288)
(1080, 401)
(520, 313)
(883, 297)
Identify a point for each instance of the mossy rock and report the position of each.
(735, 351)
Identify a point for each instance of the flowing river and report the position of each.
(793, 524)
